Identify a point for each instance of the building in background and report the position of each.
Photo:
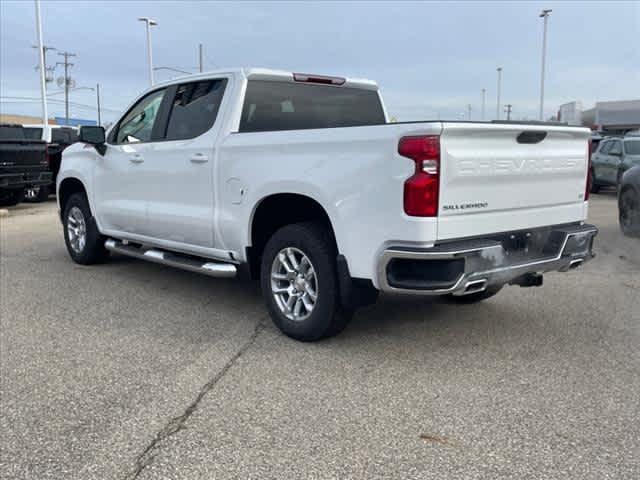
(613, 117)
(609, 118)
(75, 122)
(23, 119)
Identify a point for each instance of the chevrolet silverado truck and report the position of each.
(300, 181)
(24, 164)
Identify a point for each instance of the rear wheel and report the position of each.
(629, 210)
(300, 283)
(84, 242)
(474, 297)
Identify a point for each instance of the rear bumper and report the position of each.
(469, 266)
(27, 179)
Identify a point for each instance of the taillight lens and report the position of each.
(422, 189)
(587, 189)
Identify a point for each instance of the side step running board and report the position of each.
(192, 264)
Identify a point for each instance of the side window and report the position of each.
(137, 125)
(616, 148)
(195, 108)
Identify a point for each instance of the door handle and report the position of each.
(136, 158)
(199, 158)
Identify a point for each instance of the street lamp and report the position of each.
(499, 70)
(148, 24)
(545, 15)
(484, 94)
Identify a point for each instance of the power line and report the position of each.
(56, 101)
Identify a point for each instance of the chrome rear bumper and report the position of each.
(471, 266)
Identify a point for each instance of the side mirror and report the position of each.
(93, 135)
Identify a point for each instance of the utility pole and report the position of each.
(507, 108)
(484, 97)
(200, 56)
(148, 24)
(469, 111)
(499, 70)
(98, 101)
(545, 15)
(45, 49)
(43, 87)
(67, 82)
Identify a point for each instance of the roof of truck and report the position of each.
(273, 75)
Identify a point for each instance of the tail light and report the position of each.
(323, 79)
(47, 159)
(422, 189)
(588, 187)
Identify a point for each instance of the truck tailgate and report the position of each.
(504, 177)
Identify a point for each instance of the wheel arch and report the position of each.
(276, 210)
(69, 186)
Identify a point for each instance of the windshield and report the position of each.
(632, 147)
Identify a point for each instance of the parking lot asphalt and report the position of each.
(134, 370)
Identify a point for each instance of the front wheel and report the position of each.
(84, 242)
(629, 213)
(300, 283)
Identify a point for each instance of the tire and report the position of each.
(79, 223)
(288, 285)
(474, 297)
(629, 213)
(10, 198)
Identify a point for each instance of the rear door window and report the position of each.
(270, 106)
(194, 108)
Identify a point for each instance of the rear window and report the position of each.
(65, 136)
(33, 133)
(632, 147)
(270, 106)
(11, 133)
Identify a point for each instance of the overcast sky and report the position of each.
(429, 58)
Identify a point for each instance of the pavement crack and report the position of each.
(177, 423)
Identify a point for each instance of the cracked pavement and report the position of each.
(134, 370)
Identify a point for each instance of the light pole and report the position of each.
(499, 70)
(200, 53)
(148, 24)
(545, 15)
(469, 111)
(43, 87)
(484, 97)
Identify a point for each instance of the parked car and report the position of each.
(300, 181)
(23, 164)
(629, 202)
(58, 137)
(614, 156)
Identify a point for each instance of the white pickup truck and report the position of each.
(299, 180)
